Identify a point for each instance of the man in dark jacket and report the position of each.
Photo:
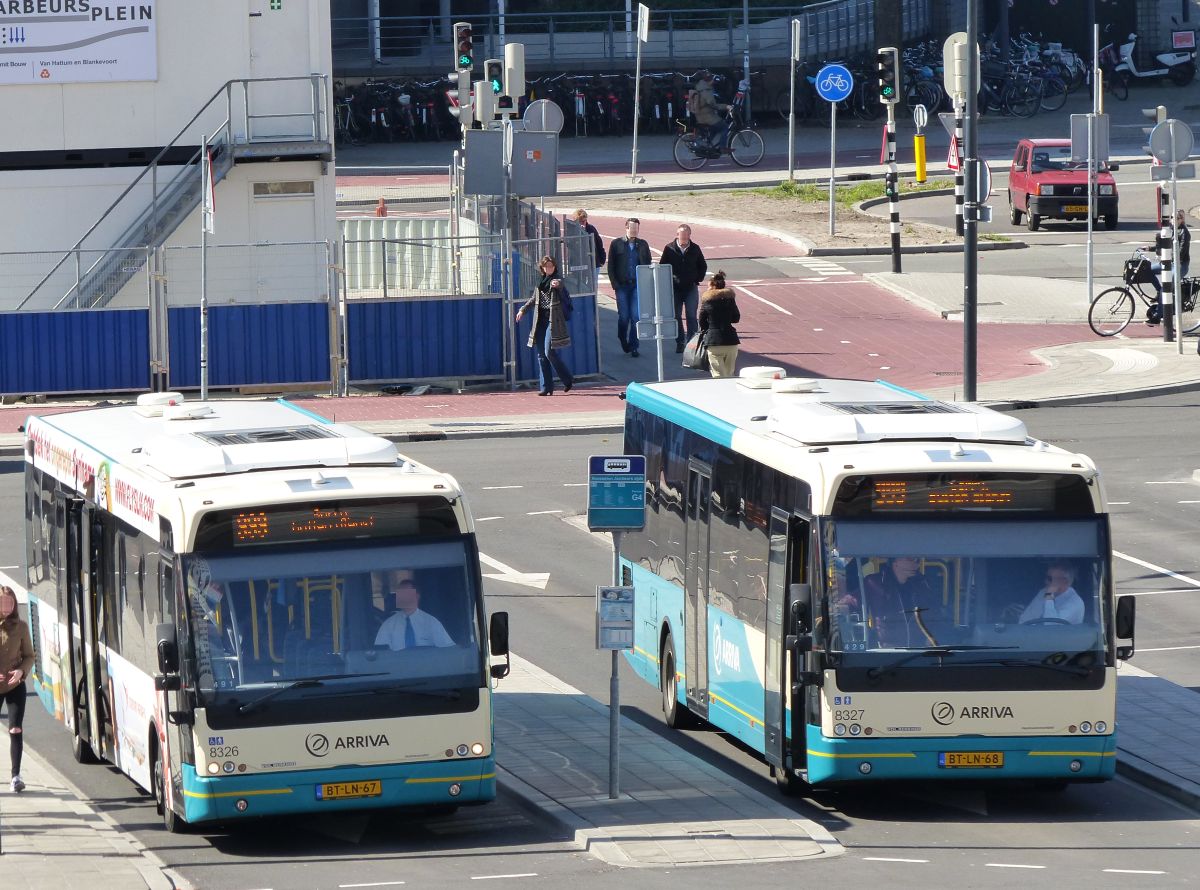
(624, 256)
(688, 268)
(580, 216)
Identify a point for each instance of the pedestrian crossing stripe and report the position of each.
(819, 265)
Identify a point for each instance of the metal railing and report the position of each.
(159, 207)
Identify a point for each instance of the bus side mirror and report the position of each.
(498, 643)
(168, 651)
(1123, 627)
(800, 610)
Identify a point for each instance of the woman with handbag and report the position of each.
(551, 304)
(718, 314)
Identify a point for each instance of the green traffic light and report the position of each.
(497, 86)
(888, 91)
(465, 61)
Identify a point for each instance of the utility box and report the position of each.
(534, 164)
(483, 172)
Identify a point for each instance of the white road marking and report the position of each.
(1168, 649)
(376, 884)
(1119, 503)
(889, 859)
(499, 487)
(1149, 565)
(1009, 865)
(524, 874)
(9, 567)
(1153, 592)
(1131, 871)
(574, 484)
(542, 512)
(507, 573)
(755, 296)
(1189, 502)
(1168, 481)
(487, 518)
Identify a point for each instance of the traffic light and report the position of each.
(464, 52)
(887, 64)
(485, 103)
(459, 96)
(1158, 114)
(494, 73)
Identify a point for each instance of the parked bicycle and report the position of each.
(1112, 310)
(695, 147)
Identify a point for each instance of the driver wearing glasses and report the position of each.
(1057, 602)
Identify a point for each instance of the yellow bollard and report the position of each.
(919, 155)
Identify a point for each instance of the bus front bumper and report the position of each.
(1053, 758)
(449, 782)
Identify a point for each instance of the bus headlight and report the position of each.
(839, 729)
(455, 790)
(1076, 765)
(1085, 726)
(242, 805)
(477, 748)
(864, 768)
(214, 768)
(1101, 726)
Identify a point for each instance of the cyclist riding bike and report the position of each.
(711, 116)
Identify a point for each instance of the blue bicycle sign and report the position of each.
(834, 83)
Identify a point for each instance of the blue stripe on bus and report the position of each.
(1025, 757)
(901, 389)
(304, 411)
(677, 412)
(267, 794)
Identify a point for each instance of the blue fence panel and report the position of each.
(85, 351)
(247, 345)
(582, 356)
(424, 339)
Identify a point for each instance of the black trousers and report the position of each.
(14, 703)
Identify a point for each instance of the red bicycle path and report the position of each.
(812, 324)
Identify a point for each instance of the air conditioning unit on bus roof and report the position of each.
(828, 422)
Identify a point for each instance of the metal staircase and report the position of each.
(94, 270)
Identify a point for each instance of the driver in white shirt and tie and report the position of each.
(1057, 600)
(409, 627)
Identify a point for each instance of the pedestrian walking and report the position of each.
(381, 208)
(1185, 244)
(551, 305)
(718, 314)
(688, 268)
(16, 660)
(625, 254)
(580, 216)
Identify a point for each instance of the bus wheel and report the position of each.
(677, 716)
(171, 821)
(787, 783)
(81, 750)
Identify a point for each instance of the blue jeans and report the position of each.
(628, 313)
(549, 361)
(685, 305)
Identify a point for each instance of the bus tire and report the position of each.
(676, 715)
(171, 820)
(787, 782)
(81, 750)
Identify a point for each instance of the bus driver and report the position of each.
(1058, 600)
(409, 627)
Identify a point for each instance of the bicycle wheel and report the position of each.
(1191, 317)
(1111, 311)
(1119, 84)
(1023, 99)
(746, 148)
(686, 155)
(1054, 94)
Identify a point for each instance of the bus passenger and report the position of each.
(1057, 600)
(900, 605)
(409, 627)
(16, 660)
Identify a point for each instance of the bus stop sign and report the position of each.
(616, 493)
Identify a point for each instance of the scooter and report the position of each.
(1179, 67)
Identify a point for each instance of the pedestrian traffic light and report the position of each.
(887, 63)
(464, 52)
(494, 72)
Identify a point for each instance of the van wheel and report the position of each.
(1110, 221)
(1014, 215)
(676, 715)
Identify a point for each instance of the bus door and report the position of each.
(695, 609)
(787, 564)
(84, 693)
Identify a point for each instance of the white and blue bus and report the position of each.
(207, 586)
(854, 581)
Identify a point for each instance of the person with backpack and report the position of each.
(688, 268)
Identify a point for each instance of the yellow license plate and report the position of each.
(344, 790)
(971, 759)
(1075, 208)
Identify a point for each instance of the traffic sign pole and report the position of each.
(832, 162)
(834, 83)
(971, 206)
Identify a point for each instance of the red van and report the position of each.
(1044, 183)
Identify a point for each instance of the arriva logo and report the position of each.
(725, 653)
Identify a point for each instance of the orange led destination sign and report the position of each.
(919, 494)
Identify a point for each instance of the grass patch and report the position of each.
(845, 195)
(992, 236)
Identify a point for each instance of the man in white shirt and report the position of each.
(1058, 599)
(409, 627)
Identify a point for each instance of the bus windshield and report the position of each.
(277, 627)
(965, 592)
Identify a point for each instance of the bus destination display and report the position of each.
(256, 527)
(953, 492)
(900, 494)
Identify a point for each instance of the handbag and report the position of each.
(695, 354)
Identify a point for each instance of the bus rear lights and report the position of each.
(864, 768)
(241, 767)
(214, 768)
(229, 766)
(1076, 765)
(477, 748)
(868, 731)
(242, 805)
(1072, 728)
(839, 729)
(462, 750)
(1085, 726)
(449, 752)
(455, 790)
(855, 729)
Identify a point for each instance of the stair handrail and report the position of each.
(227, 89)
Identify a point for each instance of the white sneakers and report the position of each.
(18, 785)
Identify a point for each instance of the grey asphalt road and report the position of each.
(527, 495)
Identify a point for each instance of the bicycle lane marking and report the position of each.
(755, 296)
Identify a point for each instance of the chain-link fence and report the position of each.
(297, 272)
(433, 267)
(47, 280)
(404, 191)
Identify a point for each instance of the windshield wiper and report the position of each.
(301, 683)
(934, 652)
(1076, 670)
(419, 689)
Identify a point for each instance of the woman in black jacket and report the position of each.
(551, 305)
(718, 314)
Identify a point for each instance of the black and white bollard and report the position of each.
(959, 182)
(1166, 256)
